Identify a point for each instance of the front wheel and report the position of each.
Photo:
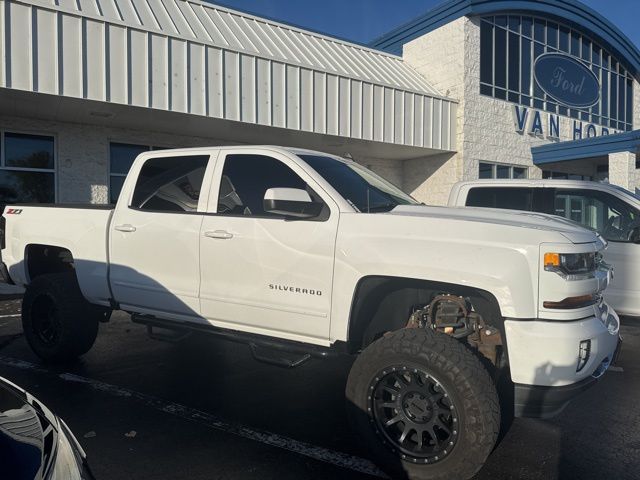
(58, 323)
(424, 405)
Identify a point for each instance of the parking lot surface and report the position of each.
(205, 409)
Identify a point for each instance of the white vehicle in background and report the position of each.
(610, 210)
(301, 254)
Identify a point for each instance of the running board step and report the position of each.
(280, 358)
(170, 335)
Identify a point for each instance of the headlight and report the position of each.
(69, 461)
(571, 266)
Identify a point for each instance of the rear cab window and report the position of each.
(512, 198)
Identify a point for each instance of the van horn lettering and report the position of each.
(290, 289)
(548, 125)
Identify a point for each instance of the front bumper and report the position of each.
(544, 358)
(537, 401)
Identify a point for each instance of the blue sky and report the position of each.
(364, 20)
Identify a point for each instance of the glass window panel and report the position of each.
(246, 178)
(526, 66)
(486, 170)
(170, 184)
(512, 198)
(501, 20)
(527, 25)
(115, 187)
(537, 51)
(486, 52)
(613, 102)
(514, 62)
(538, 30)
(486, 90)
(520, 172)
(605, 59)
(629, 115)
(621, 100)
(605, 93)
(28, 151)
(564, 39)
(503, 171)
(586, 49)
(575, 43)
(514, 23)
(513, 97)
(596, 53)
(500, 75)
(26, 187)
(562, 110)
(501, 93)
(552, 34)
(122, 156)
(614, 65)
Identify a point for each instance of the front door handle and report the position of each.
(223, 234)
(125, 228)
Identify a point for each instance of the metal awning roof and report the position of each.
(194, 57)
(586, 148)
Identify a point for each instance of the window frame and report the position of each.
(610, 72)
(110, 174)
(205, 189)
(494, 170)
(216, 178)
(38, 133)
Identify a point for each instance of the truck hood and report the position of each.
(572, 231)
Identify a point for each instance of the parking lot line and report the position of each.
(322, 454)
(11, 316)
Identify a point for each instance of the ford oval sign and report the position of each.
(567, 80)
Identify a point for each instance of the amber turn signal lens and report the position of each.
(552, 260)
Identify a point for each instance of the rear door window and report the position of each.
(513, 198)
(170, 184)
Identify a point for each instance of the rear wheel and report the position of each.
(424, 405)
(58, 323)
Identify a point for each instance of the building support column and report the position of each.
(622, 170)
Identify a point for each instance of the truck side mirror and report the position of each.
(291, 202)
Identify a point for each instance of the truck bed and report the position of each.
(79, 228)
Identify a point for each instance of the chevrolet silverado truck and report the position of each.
(300, 255)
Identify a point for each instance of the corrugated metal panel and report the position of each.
(186, 56)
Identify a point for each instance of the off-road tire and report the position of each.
(57, 298)
(461, 375)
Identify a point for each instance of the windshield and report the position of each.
(365, 190)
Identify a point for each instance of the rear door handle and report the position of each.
(125, 228)
(223, 234)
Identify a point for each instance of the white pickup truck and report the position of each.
(302, 254)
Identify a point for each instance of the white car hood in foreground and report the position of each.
(515, 218)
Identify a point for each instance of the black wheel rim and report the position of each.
(413, 414)
(44, 320)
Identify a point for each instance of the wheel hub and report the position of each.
(413, 414)
(417, 407)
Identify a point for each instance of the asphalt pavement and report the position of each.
(205, 409)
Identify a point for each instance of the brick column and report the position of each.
(622, 170)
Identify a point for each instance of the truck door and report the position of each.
(262, 272)
(618, 222)
(154, 247)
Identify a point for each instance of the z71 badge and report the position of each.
(13, 211)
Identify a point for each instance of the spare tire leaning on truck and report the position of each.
(59, 324)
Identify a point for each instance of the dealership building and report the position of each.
(472, 89)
